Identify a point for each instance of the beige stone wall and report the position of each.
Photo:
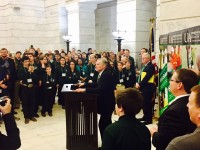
(106, 19)
(32, 22)
(174, 15)
(43, 22)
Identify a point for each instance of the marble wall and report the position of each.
(106, 18)
(22, 22)
(174, 15)
(178, 15)
(34, 22)
(145, 9)
(56, 24)
(81, 24)
(43, 22)
(130, 15)
(126, 20)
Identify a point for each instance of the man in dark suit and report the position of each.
(147, 87)
(9, 64)
(105, 89)
(175, 120)
(190, 141)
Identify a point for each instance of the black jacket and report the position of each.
(12, 140)
(174, 122)
(145, 86)
(126, 134)
(10, 68)
(105, 89)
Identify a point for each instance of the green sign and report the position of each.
(164, 82)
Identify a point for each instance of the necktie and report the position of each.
(139, 78)
(98, 77)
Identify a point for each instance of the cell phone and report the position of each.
(3, 100)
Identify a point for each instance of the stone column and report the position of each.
(126, 20)
(81, 24)
(133, 16)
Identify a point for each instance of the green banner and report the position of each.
(164, 82)
(170, 96)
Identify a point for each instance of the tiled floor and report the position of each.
(48, 133)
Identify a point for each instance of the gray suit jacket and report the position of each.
(186, 142)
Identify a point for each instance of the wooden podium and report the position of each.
(81, 121)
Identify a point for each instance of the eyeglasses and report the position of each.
(175, 81)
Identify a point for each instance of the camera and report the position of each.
(3, 100)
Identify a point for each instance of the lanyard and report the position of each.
(27, 72)
(120, 74)
(139, 79)
(49, 78)
(64, 69)
(91, 69)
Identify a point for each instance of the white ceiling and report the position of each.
(96, 1)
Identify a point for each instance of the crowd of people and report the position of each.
(34, 78)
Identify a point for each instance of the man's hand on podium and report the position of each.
(81, 90)
(79, 84)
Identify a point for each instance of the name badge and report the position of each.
(0, 90)
(91, 74)
(127, 78)
(63, 74)
(29, 80)
(121, 80)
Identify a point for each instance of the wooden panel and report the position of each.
(81, 121)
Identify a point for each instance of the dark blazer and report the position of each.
(24, 75)
(12, 140)
(150, 71)
(126, 134)
(59, 77)
(105, 89)
(174, 122)
(130, 77)
(119, 75)
(74, 76)
(11, 69)
(92, 74)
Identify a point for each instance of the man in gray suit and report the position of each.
(190, 141)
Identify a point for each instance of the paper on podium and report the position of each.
(67, 88)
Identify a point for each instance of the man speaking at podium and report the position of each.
(104, 87)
